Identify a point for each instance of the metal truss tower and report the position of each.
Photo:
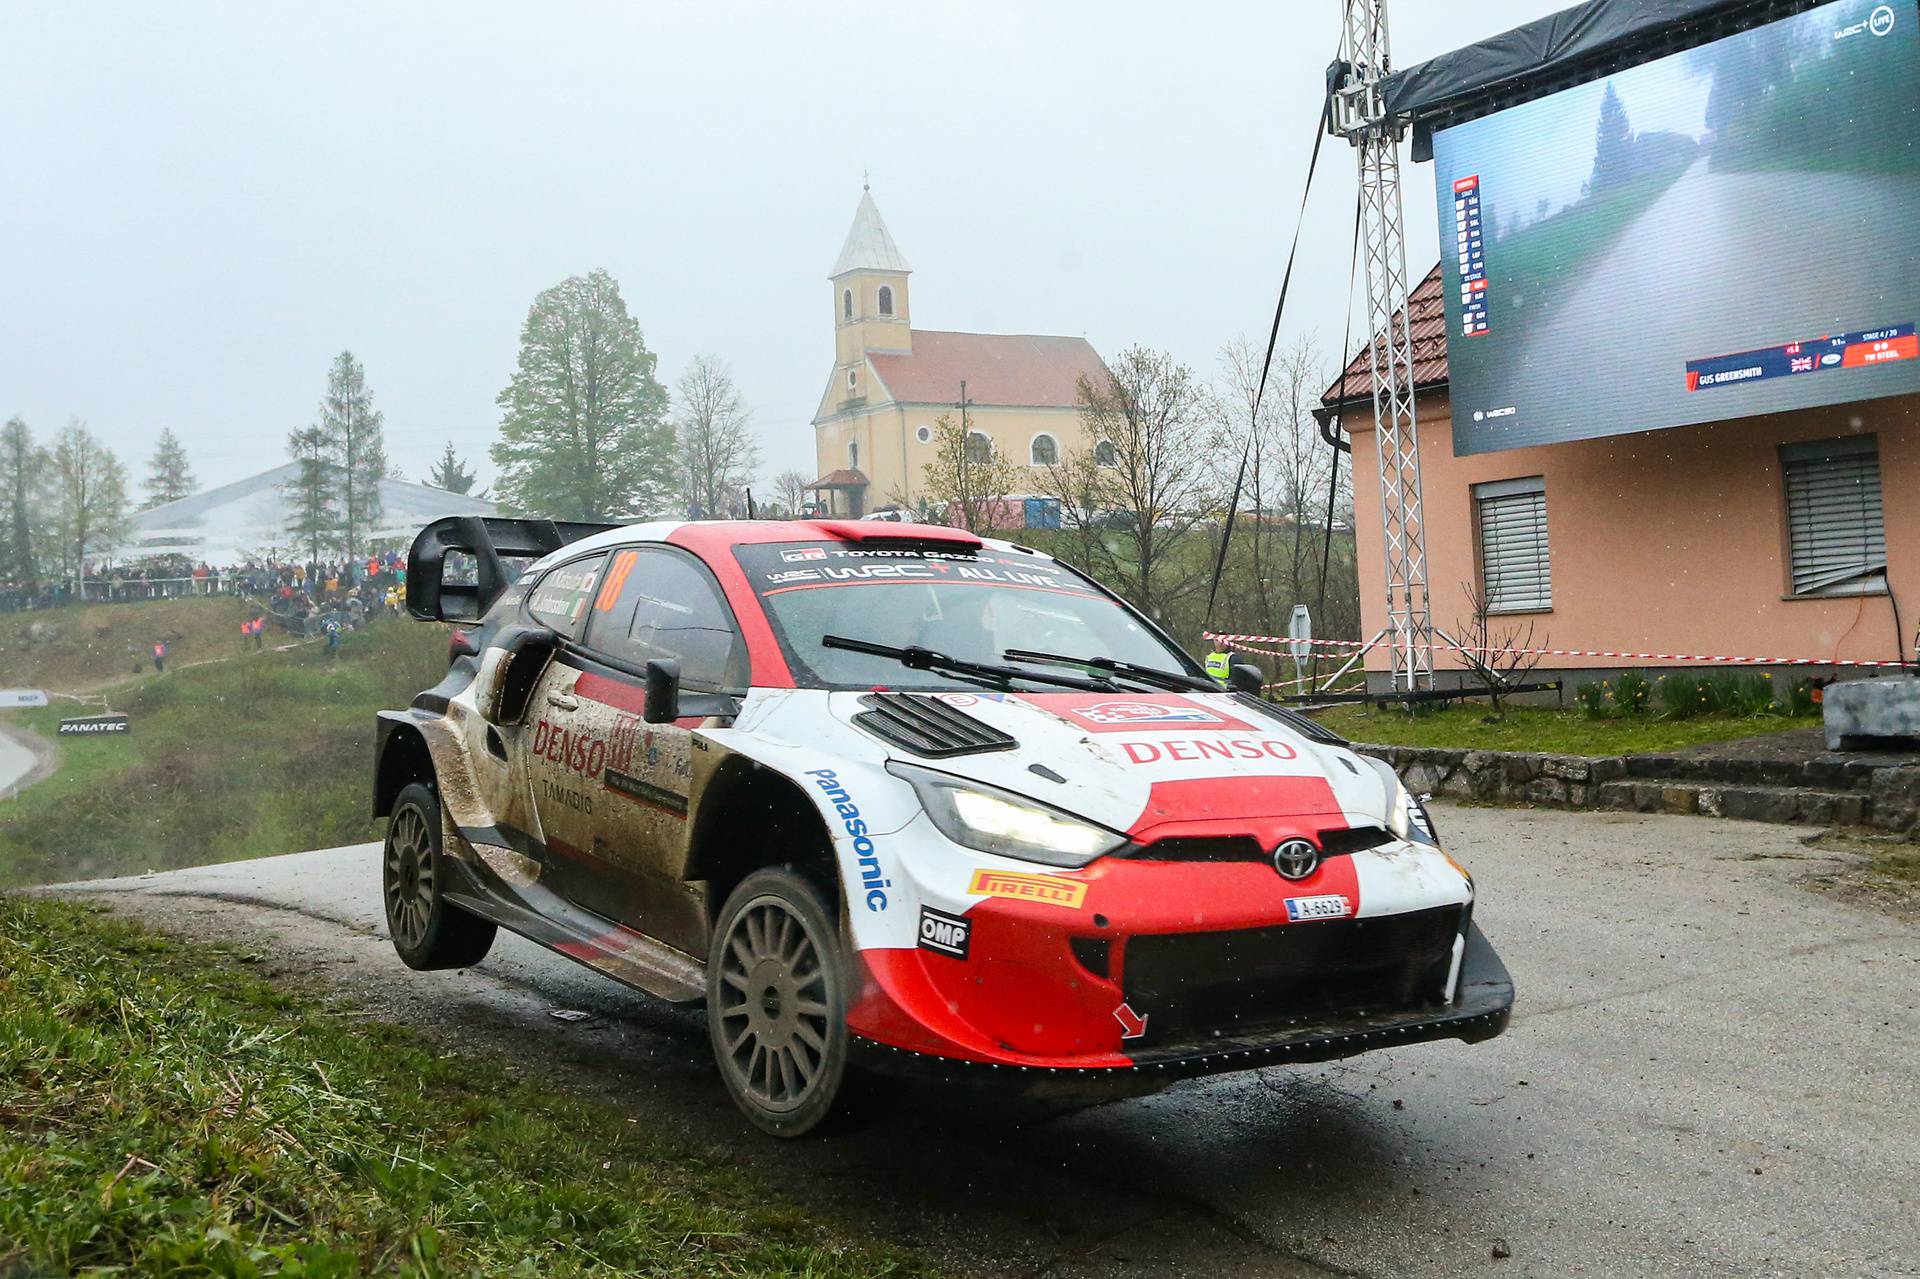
(1358, 114)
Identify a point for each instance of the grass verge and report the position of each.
(266, 753)
(1554, 732)
(92, 644)
(1882, 874)
(163, 1111)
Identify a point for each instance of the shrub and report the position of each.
(1631, 693)
(1680, 696)
(1800, 699)
(1592, 699)
(1752, 694)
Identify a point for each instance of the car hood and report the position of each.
(1151, 765)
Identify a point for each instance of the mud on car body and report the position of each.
(896, 797)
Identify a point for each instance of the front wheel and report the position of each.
(777, 1002)
(427, 930)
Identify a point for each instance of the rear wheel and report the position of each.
(777, 1002)
(427, 930)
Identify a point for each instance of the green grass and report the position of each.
(1552, 732)
(266, 753)
(162, 1111)
(96, 643)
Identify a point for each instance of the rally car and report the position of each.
(891, 796)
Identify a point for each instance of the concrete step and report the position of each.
(1819, 773)
(1758, 802)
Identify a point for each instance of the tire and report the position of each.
(428, 931)
(777, 1002)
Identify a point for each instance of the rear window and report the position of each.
(560, 597)
(967, 604)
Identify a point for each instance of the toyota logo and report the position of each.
(1296, 859)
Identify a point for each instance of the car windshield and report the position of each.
(969, 605)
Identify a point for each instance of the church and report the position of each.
(891, 384)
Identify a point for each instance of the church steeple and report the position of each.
(870, 311)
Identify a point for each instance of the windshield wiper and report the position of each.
(1152, 677)
(915, 658)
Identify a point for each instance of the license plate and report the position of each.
(1331, 906)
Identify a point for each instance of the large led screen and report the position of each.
(1729, 230)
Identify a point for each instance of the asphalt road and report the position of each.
(1710, 1072)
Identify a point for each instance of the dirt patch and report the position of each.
(1878, 873)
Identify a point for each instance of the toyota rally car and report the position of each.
(894, 796)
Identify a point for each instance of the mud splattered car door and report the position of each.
(633, 777)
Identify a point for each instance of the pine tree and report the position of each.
(1612, 143)
(356, 447)
(168, 477)
(584, 432)
(313, 496)
(24, 477)
(451, 472)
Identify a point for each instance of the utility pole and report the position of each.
(1359, 115)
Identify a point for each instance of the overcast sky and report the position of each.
(205, 202)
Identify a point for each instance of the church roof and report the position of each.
(869, 247)
(999, 369)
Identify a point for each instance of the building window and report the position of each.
(1044, 451)
(979, 448)
(886, 300)
(853, 454)
(1104, 454)
(853, 381)
(924, 435)
(1516, 574)
(1836, 537)
(846, 304)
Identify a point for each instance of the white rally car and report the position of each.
(889, 796)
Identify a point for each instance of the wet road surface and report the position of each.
(1709, 1072)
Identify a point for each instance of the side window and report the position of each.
(658, 603)
(559, 598)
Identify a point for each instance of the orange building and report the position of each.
(1789, 535)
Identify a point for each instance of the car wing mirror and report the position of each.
(662, 705)
(1245, 677)
(524, 652)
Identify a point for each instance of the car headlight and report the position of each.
(995, 821)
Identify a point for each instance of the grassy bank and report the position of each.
(92, 644)
(1554, 732)
(162, 1111)
(265, 753)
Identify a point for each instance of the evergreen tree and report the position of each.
(357, 449)
(90, 497)
(24, 470)
(1612, 143)
(313, 494)
(168, 477)
(451, 472)
(584, 432)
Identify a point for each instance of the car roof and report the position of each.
(706, 537)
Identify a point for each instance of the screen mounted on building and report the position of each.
(1726, 231)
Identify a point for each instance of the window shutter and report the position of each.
(1836, 537)
(1515, 568)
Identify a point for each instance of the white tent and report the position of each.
(248, 518)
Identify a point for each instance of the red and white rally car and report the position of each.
(886, 795)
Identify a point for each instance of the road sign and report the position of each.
(1300, 633)
(94, 725)
(10, 697)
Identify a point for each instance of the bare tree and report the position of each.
(718, 454)
(90, 496)
(790, 490)
(1495, 656)
(968, 477)
(1144, 481)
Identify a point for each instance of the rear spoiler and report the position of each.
(490, 541)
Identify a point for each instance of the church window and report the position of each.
(1104, 454)
(853, 454)
(979, 448)
(924, 435)
(846, 304)
(886, 300)
(1045, 451)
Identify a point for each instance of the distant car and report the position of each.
(893, 796)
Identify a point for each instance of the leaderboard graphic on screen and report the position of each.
(1723, 232)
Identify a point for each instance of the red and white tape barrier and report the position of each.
(1253, 643)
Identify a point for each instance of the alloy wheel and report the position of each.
(773, 1013)
(409, 878)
